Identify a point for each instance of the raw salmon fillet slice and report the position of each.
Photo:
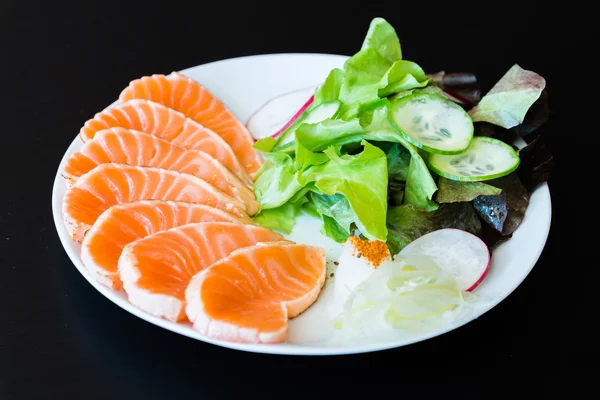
(166, 123)
(198, 103)
(110, 184)
(125, 223)
(124, 146)
(249, 295)
(156, 270)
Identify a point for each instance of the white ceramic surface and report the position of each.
(244, 84)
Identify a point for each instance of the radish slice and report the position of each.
(279, 113)
(460, 253)
(295, 117)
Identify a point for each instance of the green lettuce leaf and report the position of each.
(373, 125)
(265, 145)
(420, 186)
(352, 176)
(507, 102)
(406, 223)
(362, 75)
(398, 158)
(305, 158)
(365, 72)
(338, 132)
(382, 37)
(335, 206)
(431, 89)
(336, 213)
(330, 90)
(333, 230)
(277, 181)
(368, 77)
(282, 218)
(402, 75)
(450, 191)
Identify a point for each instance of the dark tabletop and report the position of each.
(61, 339)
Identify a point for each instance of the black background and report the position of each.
(59, 338)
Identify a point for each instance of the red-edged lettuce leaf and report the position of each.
(536, 164)
(504, 213)
(463, 86)
(535, 118)
(406, 223)
(451, 191)
(509, 100)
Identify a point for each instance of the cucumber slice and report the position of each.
(323, 111)
(486, 158)
(432, 123)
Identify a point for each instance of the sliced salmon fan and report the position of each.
(120, 145)
(109, 184)
(122, 224)
(198, 103)
(166, 123)
(249, 295)
(157, 269)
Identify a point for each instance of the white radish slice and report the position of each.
(277, 114)
(460, 253)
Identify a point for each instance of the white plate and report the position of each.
(244, 84)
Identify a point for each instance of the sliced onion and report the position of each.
(408, 294)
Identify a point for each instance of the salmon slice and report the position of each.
(110, 184)
(249, 295)
(125, 223)
(198, 103)
(166, 123)
(156, 270)
(120, 145)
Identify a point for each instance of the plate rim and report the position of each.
(278, 349)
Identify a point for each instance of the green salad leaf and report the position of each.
(377, 71)
(332, 229)
(330, 90)
(306, 158)
(398, 158)
(352, 176)
(362, 75)
(282, 218)
(420, 186)
(335, 206)
(338, 132)
(277, 181)
(429, 89)
(336, 213)
(265, 145)
(382, 37)
(508, 101)
(402, 75)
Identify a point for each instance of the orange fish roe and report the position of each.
(374, 251)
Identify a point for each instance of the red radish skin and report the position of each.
(442, 241)
(263, 119)
(295, 117)
(485, 272)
